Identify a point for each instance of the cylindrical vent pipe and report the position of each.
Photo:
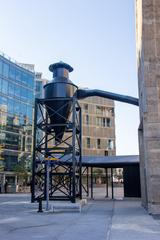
(84, 93)
(60, 87)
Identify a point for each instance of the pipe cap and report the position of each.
(60, 64)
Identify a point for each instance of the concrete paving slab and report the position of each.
(131, 221)
(98, 220)
(66, 207)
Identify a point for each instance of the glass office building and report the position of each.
(39, 84)
(16, 113)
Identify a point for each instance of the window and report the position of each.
(3, 100)
(17, 91)
(30, 81)
(24, 79)
(18, 75)
(3, 104)
(110, 144)
(12, 73)
(98, 143)
(3, 120)
(0, 84)
(23, 109)
(2, 139)
(99, 110)
(29, 112)
(12, 139)
(106, 111)
(98, 121)
(1, 65)
(9, 122)
(39, 86)
(112, 111)
(30, 96)
(23, 94)
(10, 162)
(86, 107)
(11, 89)
(21, 120)
(87, 119)
(106, 153)
(88, 143)
(10, 106)
(17, 108)
(28, 140)
(103, 122)
(16, 120)
(108, 122)
(5, 70)
(5, 87)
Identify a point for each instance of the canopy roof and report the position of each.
(104, 161)
(110, 161)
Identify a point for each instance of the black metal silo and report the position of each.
(61, 88)
(57, 140)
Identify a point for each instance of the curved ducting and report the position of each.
(84, 93)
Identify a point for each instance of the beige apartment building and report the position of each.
(98, 126)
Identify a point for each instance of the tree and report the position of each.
(21, 172)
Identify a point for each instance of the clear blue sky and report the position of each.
(96, 37)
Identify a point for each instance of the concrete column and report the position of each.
(3, 182)
(148, 57)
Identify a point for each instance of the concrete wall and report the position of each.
(148, 56)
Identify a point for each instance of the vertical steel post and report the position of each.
(80, 158)
(46, 154)
(87, 183)
(73, 151)
(106, 175)
(40, 209)
(112, 183)
(70, 182)
(34, 152)
(91, 182)
(47, 184)
(51, 183)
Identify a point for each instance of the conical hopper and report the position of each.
(61, 87)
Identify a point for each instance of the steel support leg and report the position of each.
(106, 175)
(91, 183)
(112, 187)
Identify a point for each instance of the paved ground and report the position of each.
(99, 220)
(99, 192)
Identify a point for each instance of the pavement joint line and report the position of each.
(30, 226)
(110, 221)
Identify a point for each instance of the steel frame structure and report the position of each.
(64, 157)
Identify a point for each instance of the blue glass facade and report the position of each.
(16, 114)
(39, 89)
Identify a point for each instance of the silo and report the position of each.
(57, 156)
(60, 89)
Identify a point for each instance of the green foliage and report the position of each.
(21, 171)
